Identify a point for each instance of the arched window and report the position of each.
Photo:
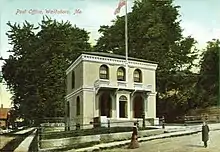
(121, 74)
(77, 106)
(123, 98)
(137, 75)
(103, 72)
(73, 79)
(123, 107)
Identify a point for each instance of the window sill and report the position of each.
(122, 82)
(107, 80)
(138, 83)
(123, 118)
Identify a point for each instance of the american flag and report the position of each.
(120, 5)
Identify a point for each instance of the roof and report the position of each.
(118, 56)
(4, 112)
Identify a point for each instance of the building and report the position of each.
(97, 89)
(5, 102)
(4, 114)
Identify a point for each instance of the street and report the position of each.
(191, 143)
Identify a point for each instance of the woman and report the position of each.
(134, 142)
(205, 133)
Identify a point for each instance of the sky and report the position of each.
(200, 18)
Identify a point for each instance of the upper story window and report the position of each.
(77, 106)
(73, 79)
(121, 74)
(137, 76)
(104, 72)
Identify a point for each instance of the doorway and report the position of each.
(123, 107)
(105, 103)
(138, 108)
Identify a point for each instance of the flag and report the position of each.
(120, 5)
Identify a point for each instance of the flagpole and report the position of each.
(126, 40)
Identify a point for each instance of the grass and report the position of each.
(86, 132)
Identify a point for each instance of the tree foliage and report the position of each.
(35, 71)
(208, 84)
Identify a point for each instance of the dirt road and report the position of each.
(191, 143)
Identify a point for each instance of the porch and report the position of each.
(121, 104)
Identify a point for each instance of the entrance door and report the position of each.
(123, 110)
(138, 106)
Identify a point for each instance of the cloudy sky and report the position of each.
(200, 18)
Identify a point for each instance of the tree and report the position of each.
(154, 33)
(208, 83)
(35, 71)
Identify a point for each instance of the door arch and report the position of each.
(138, 102)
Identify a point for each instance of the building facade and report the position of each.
(98, 87)
(4, 115)
(5, 102)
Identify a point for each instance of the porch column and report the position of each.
(114, 110)
(117, 106)
(145, 96)
(129, 107)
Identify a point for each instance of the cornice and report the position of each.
(70, 95)
(111, 61)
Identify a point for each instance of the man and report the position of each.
(205, 133)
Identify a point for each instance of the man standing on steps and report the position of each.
(205, 133)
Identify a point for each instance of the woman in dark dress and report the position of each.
(134, 142)
(205, 133)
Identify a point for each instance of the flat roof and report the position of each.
(117, 56)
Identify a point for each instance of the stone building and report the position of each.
(97, 89)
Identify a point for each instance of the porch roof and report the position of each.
(125, 88)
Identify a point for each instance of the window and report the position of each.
(68, 109)
(77, 106)
(137, 75)
(73, 79)
(123, 98)
(123, 107)
(104, 72)
(121, 74)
